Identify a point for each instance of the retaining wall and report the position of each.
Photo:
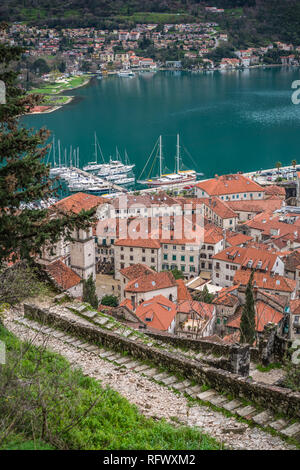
(277, 399)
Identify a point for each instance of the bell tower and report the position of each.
(82, 253)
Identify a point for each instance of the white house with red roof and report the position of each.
(234, 187)
(158, 313)
(230, 260)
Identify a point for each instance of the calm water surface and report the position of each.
(228, 122)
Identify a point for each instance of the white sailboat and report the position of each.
(179, 176)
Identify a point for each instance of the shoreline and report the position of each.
(56, 108)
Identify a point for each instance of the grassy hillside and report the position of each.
(246, 20)
(43, 397)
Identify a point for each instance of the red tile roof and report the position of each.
(78, 202)
(229, 184)
(64, 276)
(265, 281)
(182, 291)
(220, 207)
(136, 271)
(138, 243)
(256, 206)
(238, 239)
(204, 310)
(159, 310)
(151, 282)
(264, 314)
(261, 259)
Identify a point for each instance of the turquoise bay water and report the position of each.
(232, 121)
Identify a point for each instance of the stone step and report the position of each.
(181, 386)
(263, 418)
(232, 405)
(101, 321)
(162, 375)
(218, 400)
(142, 368)
(150, 372)
(113, 357)
(91, 348)
(245, 411)
(110, 326)
(131, 365)
(193, 391)
(122, 360)
(90, 314)
(205, 395)
(126, 333)
(105, 354)
(279, 424)
(292, 431)
(169, 380)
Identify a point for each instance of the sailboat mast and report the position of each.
(59, 159)
(160, 157)
(178, 155)
(96, 154)
(54, 151)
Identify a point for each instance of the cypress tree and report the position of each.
(24, 176)
(247, 325)
(89, 292)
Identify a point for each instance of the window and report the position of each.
(191, 259)
(122, 248)
(131, 249)
(112, 241)
(143, 259)
(210, 266)
(192, 269)
(122, 257)
(182, 268)
(217, 275)
(152, 260)
(122, 265)
(143, 250)
(165, 257)
(131, 258)
(174, 247)
(152, 251)
(174, 258)
(182, 258)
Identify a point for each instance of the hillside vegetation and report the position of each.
(86, 416)
(246, 20)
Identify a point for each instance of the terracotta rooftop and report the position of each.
(265, 281)
(264, 314)
(78, 202)
(229, 184)
(138, 243)
(191, 306)
(136, 271)
(158, 312)
(151, 282)
(64, 276)
(256, 206)
(261, 259)
(220, 207)
(238, 239)
(182, 291)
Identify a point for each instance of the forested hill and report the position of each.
(244, 19)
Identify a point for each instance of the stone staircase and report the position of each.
(262, 418)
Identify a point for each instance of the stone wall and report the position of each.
(277, 399)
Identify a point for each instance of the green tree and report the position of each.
(278, 166)
(24, 177)
(247, 325)
(177, 273)
(110, 300)
(40, 67)
(204, 296)
(89, 292)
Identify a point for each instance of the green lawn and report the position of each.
(112, 424)
(153, 17)
(57, 87)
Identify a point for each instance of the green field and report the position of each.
(112, 424)
(56, 87)
(152, 17)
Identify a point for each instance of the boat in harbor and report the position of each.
(126, 73)
(179, 176)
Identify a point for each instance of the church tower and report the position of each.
(82, 253)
